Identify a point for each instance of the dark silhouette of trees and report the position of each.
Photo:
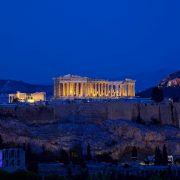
(138, 118)
(161, 158)
(157, 94)
(104, 157)
(76, 155)
(89, 156)
(15, 100)
(1, 142)
(31, 159)
(158, 156)
(63, 156)
(134, 153)
(165, 155)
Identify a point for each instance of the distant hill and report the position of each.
(12, 86)
(170, 85)
(173, 80)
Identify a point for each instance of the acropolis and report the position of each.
(73, 86)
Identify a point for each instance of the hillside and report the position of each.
(170, 86)
(114, 136)
(173, 80)
(12, 86)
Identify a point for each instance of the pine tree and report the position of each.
(165, 155)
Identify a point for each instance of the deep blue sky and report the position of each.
(40, 39)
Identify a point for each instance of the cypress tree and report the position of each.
(165, 155)
(134, 153)
(158, 156)
(89, 156)
(1, 142)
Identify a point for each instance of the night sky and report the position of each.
(40, 39)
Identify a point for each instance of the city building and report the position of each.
(83, 87)
(12, 159)
(25, 97)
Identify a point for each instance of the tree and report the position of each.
(158, 156)
(89, 156)
(1, 142)
(134, 153)
(76, 155)
(104, 157)
(30, 158)
(15, 100)
(165, 155)
(157, 94)
(63, 156)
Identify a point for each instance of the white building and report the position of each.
(12, 159)
(26, 97)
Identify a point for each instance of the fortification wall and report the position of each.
(31, 114)
(97, 112)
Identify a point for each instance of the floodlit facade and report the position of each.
(25, 97)
(72, 86)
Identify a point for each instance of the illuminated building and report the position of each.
(12, 159)
(25, 97)
(83, 87)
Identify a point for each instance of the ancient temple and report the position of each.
(72, 86)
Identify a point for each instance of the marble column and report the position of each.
(68, 89)
(107, 89)
(96, 86)
(99, 93)
(76, 90)
(59, 89)
(95, 90)
(81, 89)
(117, 90)
(103, 89)
(100, 89)
(62, 89)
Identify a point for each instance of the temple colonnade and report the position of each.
(77, 87)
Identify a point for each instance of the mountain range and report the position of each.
(12, 86)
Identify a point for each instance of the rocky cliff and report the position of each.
(109, 127)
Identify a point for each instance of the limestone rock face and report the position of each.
(115, 136)
(98, 112)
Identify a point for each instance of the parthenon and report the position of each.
(72, 86)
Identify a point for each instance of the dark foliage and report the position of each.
(134, 153)
(157, 94)
(19, 175)
(1, 142)
(158, 156)
(155, 121)
(76, 155)
(165, 155)
(63, 156)
(105, 157)
(88, 156)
